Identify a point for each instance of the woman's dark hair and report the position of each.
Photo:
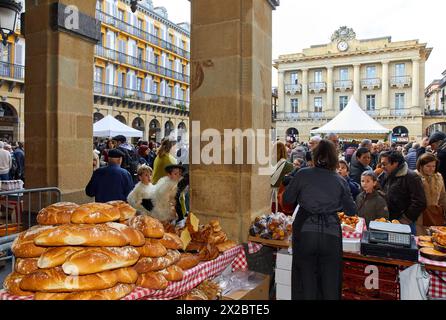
(325, 155)
(361, 151)
(393, 156)
(425, 159)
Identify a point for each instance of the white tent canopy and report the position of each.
(110, 127)
(352, 120)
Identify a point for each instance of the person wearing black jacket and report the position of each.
(403, 188)
(437, 141)
(317, 238)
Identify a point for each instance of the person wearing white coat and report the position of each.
(142, 190)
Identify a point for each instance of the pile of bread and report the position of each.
(94, 251)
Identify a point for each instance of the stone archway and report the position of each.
(439, 126)
(292, 135)
(121, 119)
(400, 134)
(138, 124)
(182, 132)
(9, 122)
(168, 128)
(97, 116)
(155, 131)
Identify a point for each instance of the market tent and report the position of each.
(353, 121)
(110, 127)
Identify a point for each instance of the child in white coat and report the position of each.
(142, 190)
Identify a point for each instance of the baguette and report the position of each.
(55, 257)
(147, 264)
(92, 213)
(115, 293)
(152, 280)
(58, 213)
(12, 285)
(95, 260)
(188, 261)
(152, 248)
(171, 241)
(26, 266)
(150, 227)
(135, 237)
(23, 246)
(55, 280)
(100, 235)
(173, 273)
(126, 211)
(173, 256)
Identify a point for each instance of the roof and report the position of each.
(110, 127)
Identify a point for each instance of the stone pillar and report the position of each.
(281, 92)
(330, 89)
(305, 106)
(59, 101)
(385, 86)
(357, 82)
(416, 83)
(231, 89)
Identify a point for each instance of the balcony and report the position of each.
(401, 82)
(372, 113)
(286, 116)
(399, 112)
(371, 83)
(343, 85)
(293, 89)
(139, 33)
(315, 115)
(12, 71)
(435, 113)
(317, 87)
(120, 57)
(103, 89)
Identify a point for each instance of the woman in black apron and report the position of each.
(317, 238)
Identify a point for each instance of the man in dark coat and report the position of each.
(403, 188)
(111, 182)
(19, 155)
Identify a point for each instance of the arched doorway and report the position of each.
(138, 124)
(182, 133)
(292, 135)
(97, 116)
(121, 119)
(400, 135)
(439, 126)
(9, 122)
(168, 128)
(155, 131)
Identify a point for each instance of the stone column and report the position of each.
(305, 106)
(330, 89)
(59, 101)
(230, 89)
(357, 82)
(281, 92)
(385, 86)
(416, 83)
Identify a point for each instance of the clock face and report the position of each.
(342, 46)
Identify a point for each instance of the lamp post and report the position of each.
(133, 5)
(9, 10)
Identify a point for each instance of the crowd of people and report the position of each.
(403, 184)
(12, 161)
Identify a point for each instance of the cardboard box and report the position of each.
(284, 260)
(283, 292)
(283, 277)
(260, 292)
(351, 245)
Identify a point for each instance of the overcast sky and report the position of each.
(298, 24)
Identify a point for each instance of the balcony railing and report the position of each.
(317, 86)
(139, 63)
(401, 82)
(286, 116)
(126, 93)
(399, 112)
(434, 113)
(343, 85)
(371, 83)
(315, 115)
(372, 113)
(293, 88)
(13, 71)
(124, 26)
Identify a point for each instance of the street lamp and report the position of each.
(9, 10)
(134, 5)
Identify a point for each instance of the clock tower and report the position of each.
(342, 36)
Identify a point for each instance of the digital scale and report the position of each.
(389, 240)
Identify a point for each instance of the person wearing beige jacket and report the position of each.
(427, 169)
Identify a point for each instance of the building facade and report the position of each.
(386, 78)
(141, 74)
(435, 111)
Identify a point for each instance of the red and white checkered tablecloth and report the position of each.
(437, 288)
(192, 278)
(254, 247)
(357, 234)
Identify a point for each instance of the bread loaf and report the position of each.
(210, 252)
(222, 247)
(23, 246)
(55, 257)
(173, 273)
(195, 294)
(58, 213)
(115, 293)
(93, 260)
(126, 275)
(135, 237)
(126, 211)
(55, 280)
(26, 266)
(100, 235)
(188, 261)
(171, 241)
(152, 280)
(150, 227)
(92, 213)
(147, 264)
(152, 248)
(12, 285)
(173, 256)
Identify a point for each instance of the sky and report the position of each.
(299, 24)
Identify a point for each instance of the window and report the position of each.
(318, 76)
(293, 77)
(168, 91)
(343, 101)
(399, 101)
(140, 24)
(371, 102)
(171, 39)
(294, 105)
(98, 74)
(318, 104)
(156, 59)
(371, 72)
(156, 31)
(155, 87)
(139, 84)
(400, 70)
(140, 54)
(121, 77)
(121, 14)
(343, 74)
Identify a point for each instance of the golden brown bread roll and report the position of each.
(171, 241)
(136, 238)
(126, 275)
(173, 273)
(12, 285)
(55, 280)
(195, 246)
(222, 247)
(210, 252)
(55, 257)
(24, 247)
(126, 211)
(173, 256)
(152, 280)
(217, 237)
(100, 235)
(115, 293)
(152, 248)
(26, 266)
(147, 264)
(58, 213)
(92, 213)
(188, 261)
(150, 227)
(93, 260)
